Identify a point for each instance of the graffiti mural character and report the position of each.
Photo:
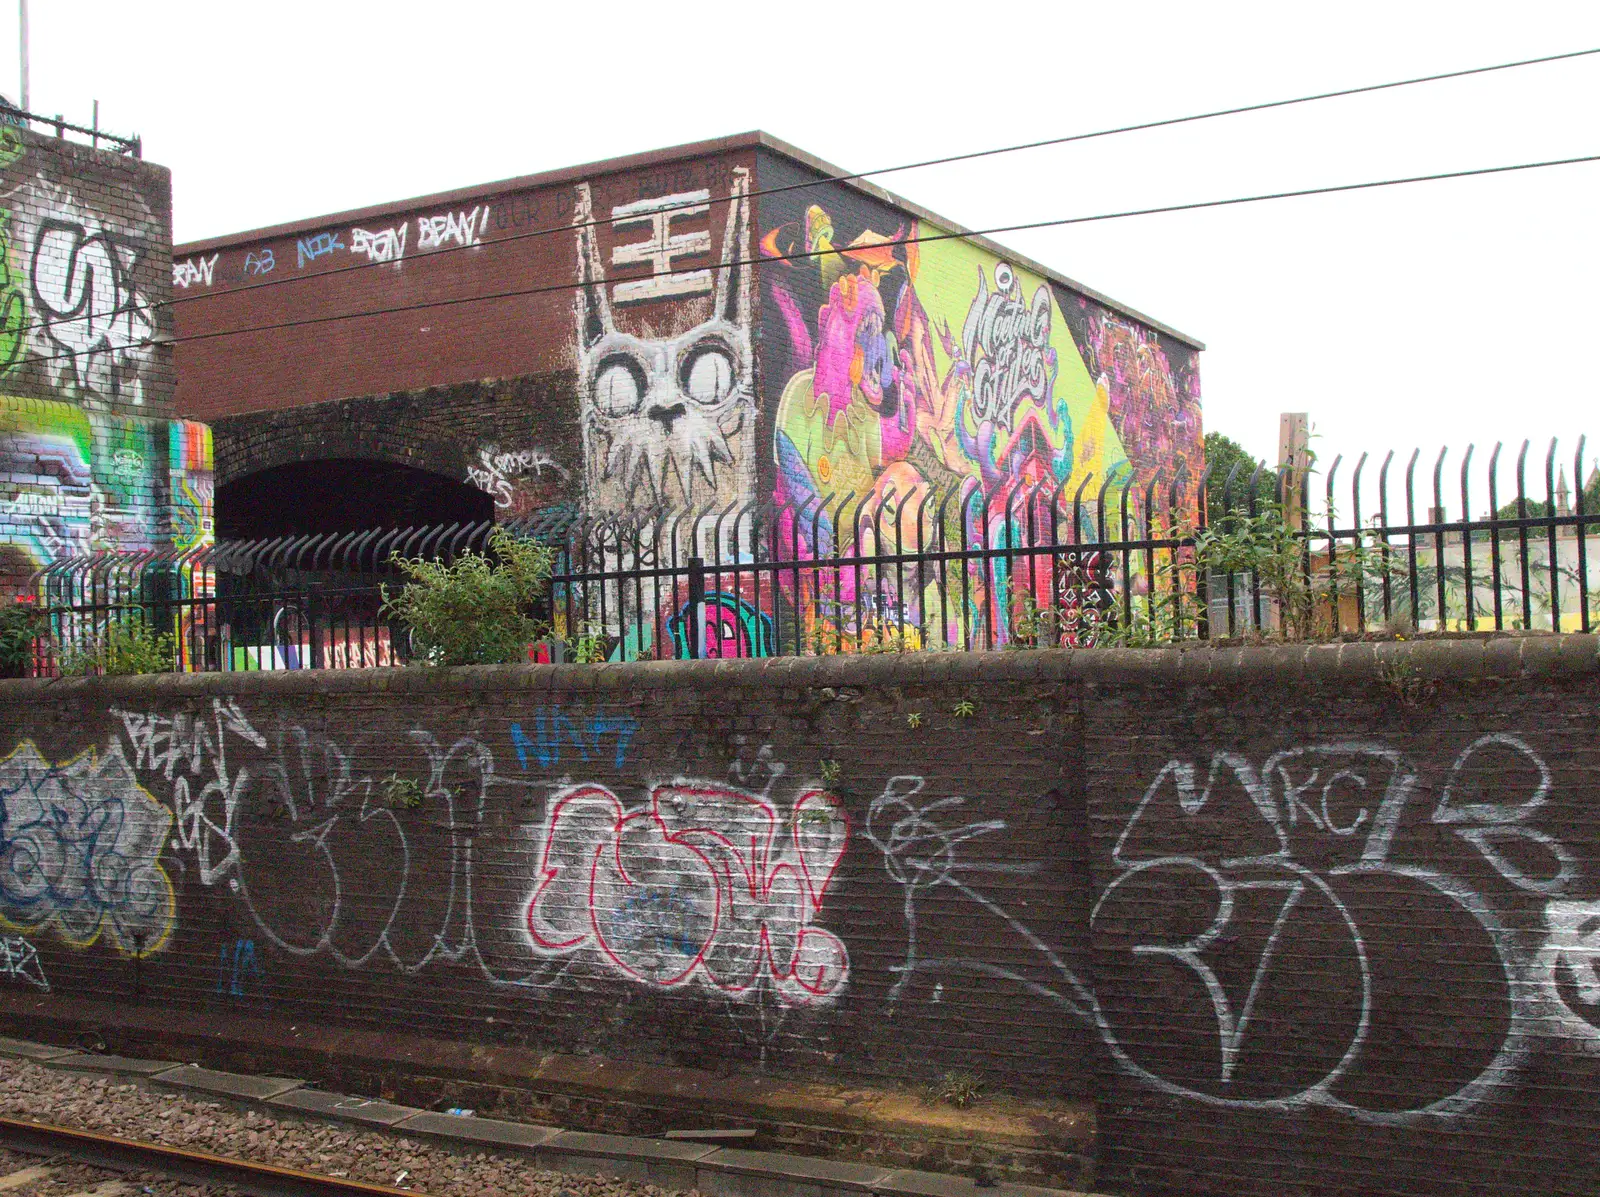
(731, 627)
(668, 424)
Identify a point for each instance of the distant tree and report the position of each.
(1540, 508)
(1222, 455)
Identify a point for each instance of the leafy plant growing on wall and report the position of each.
(122, 649)
(959, 1089)
(587, 646)
(405, 792)
(473, 610)
(20, 624)
(1299, 580)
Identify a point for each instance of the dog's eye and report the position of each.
(619, 386)
(707, 374)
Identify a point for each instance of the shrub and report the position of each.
(20, 625)
(122, 649)
(474, 610)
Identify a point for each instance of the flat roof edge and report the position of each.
(755, 139)
(884, 195)
(548, 178)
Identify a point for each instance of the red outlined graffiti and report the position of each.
(704, 884)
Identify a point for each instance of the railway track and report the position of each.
(113, 1156)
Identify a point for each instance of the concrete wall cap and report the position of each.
(1465, 658)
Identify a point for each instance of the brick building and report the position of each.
(92, 456)
(714, 324)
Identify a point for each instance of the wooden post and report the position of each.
(1294, 451)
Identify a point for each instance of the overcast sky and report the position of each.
(1422, 316)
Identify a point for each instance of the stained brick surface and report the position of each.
(89, 457)
(1291, 929)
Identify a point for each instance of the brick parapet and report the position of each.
(1311, 919)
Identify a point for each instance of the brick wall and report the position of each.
(403, 270)
(709, 325)
(514, 439)
(1315, 921)
(90, 457)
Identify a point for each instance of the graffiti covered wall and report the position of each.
(618, 380)
(900, 371)
(707, 334)
(1288, 929)
(92, 457)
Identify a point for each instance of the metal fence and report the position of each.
(1110, 562)
(93, 133)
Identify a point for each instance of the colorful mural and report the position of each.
(925, 366)
(49, 501)
(89, 460)
(77, 481)
(1152, 385)
(888, 391)
(733, 627)
(193, 488)
(909, 373)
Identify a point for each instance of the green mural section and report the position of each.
(89, 461)
(78, 481)
(932, 365)
(13, 295)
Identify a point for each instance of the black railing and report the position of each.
(1111, 562)
(56, 124)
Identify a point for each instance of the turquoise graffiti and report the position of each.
(733, 628)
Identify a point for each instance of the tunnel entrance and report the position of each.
(343, 495)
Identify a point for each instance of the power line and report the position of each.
(1165, 122)
(1060, 222)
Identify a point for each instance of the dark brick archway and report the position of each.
(382, 460)
(343, 495)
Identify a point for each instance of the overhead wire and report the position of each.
(1060, 222)
(825, 180)
(969, 156)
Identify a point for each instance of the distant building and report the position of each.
(710, 325)
(90, 456)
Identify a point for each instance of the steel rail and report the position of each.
(180, 1163)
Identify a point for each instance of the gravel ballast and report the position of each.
(118, 1106)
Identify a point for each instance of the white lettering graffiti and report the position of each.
(95, 325)
(463, 228)
(385, 245)
(192, 755)
(494, 476)
(663, 246)
(1224, 875)
(920, 854)
(1007, 345)
(193, 270)
(1571, 963)
(19, 961)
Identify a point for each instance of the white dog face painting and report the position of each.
(667, 425)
